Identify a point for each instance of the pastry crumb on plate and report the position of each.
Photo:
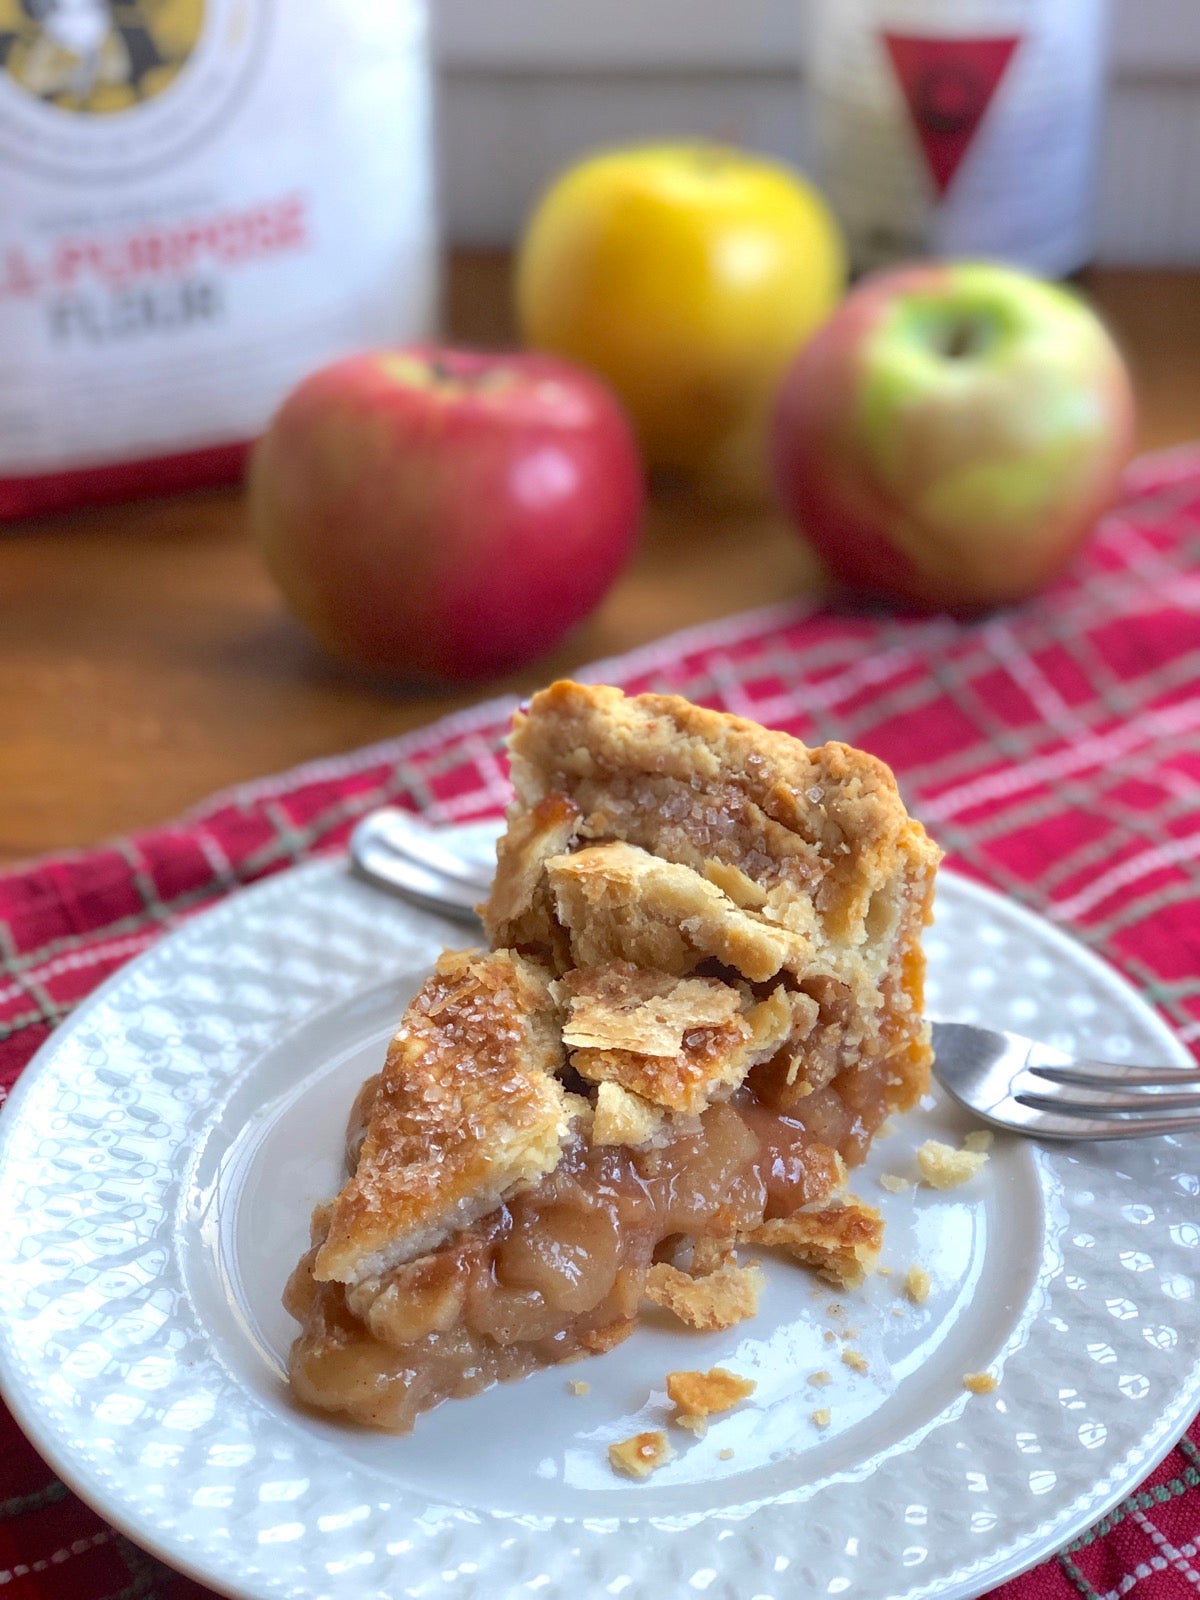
(699, 1395)
(943, 1167)
(640, 1455)
(917, 1284)
(723, 1298)
(841, 1242)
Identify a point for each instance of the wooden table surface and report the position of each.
(146, 659)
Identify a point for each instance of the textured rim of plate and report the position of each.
(668, 1549)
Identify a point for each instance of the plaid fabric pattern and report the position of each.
(1054, 750)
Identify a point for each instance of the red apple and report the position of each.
(951, 434)
(437, 513)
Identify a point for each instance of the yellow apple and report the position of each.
(687, 275)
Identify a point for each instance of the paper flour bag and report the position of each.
(200, 202)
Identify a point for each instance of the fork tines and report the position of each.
(1106, 1087)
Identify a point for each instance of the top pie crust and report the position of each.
(816, 841)
(467, 1111)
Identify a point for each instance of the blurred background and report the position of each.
(149, 655)
(528, 86)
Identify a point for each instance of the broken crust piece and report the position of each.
(619, 1006)
(467, 1112)
(518, 913)
(623, 1118)
(700, 1395)
(842, 1241)
(713, 1054)
(640, 1456)
(943, 1167)
(721, 1300)
(620, 903)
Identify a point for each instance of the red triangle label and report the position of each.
(948, 85)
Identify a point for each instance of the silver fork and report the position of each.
(1009, 1081)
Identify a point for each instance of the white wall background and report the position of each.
(528, 84)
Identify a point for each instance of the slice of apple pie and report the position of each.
(702, 998)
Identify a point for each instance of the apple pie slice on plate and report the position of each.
(702, 999)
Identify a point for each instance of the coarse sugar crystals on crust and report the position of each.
(468, 1110)
(698, 837)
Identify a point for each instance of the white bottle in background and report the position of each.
(960, 127)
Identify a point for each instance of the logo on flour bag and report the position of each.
(114, 89)
(97, 55)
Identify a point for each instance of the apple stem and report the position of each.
(962, 338)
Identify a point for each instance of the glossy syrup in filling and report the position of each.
(559, 1270)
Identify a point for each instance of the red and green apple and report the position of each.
(952, 433)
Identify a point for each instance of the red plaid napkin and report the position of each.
(1054, 750)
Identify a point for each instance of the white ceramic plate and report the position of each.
(160, 1158)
